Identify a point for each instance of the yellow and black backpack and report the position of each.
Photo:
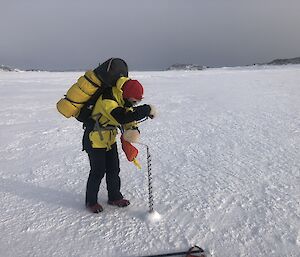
(82, 96)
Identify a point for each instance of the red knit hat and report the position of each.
(133, 89)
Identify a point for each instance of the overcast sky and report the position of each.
(148, 34)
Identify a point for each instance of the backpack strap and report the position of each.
(99, 127)
(92, 82)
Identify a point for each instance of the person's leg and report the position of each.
(97, 164)
(113, 180)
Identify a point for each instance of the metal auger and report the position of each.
(150, 187)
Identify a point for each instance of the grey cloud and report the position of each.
(148, 34)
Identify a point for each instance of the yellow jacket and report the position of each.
(104, 135)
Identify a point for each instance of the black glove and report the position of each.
(148, 110)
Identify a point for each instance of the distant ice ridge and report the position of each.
(179, 66)
(285, 61)
(7, 68)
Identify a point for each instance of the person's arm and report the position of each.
(123, 116)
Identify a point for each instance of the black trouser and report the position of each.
(103, 162)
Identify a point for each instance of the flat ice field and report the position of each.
(225, 162)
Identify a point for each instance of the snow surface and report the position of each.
(225, 163)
